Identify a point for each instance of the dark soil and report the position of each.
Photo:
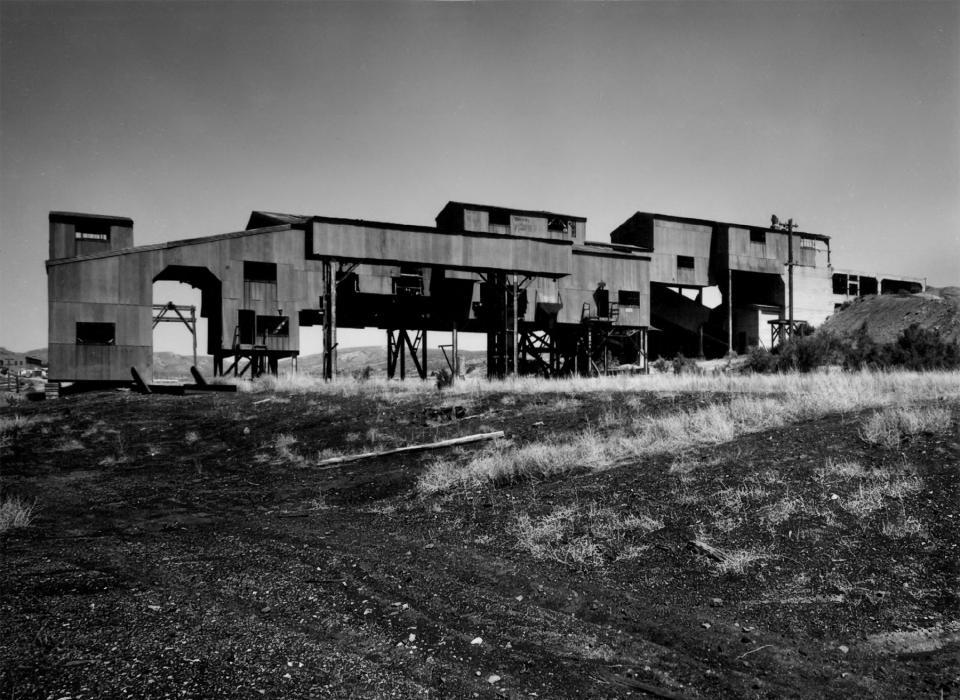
(178, 552)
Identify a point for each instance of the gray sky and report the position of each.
(185, 116)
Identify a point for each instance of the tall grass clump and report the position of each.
(13, 424)
(504, 463)
(890, 427)
(15, 512)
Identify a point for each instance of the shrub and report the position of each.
(362, 375)
(684, 365)
(923, 349)
(444, 379)
(661, 365)
(805, 353)
(761, 361)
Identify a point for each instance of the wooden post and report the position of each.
(729, 310)
(193, 331)
(329, 321)
(516, 296)
(790, 274)
(456, 359)
(423, 353)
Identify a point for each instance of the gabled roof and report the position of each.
(509, 210)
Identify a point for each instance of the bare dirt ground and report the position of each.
(186, 547)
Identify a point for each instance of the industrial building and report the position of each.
(548, 300)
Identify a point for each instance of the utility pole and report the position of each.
(777, 225)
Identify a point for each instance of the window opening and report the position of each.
(558, 225)
(498, 218)
(758, 236)
(685, 262)
(89, 333)
(259, 271)
(274, 326)
(92, 233)
(839, 283)
(628, 298)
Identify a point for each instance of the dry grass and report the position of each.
(891, 426)
(838, 391)
(583, 536)
(14, 424)
(802, 397)
(840, 471)
(903, 527)
(504, 463)
(782, 510)
(15, 512)
(283, 444)
(733, 561)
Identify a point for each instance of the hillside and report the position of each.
(886, 316)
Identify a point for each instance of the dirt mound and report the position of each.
(886, 316)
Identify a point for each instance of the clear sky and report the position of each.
(185, 116)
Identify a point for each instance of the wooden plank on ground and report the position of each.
(466, 439)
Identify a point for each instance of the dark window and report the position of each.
(627, 298)
(889, 286)
(259, 271)
(601, 298)
(96, 333)
(685, 262)
(246, 326)
(868, 285)
(409, 282)
(275, 326)
(311, 317)
(839, 283)
(92, 235)
(758, 236)
(559, 225)
(92, 231)
(499, 217)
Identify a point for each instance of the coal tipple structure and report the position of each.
(549, 301)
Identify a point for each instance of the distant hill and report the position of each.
(40, 354)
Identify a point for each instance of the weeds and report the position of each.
(14, 424)
(583, 536)
(503, 463)
(903, 527)
(283, 443)
(734, 561)
(890, 427)
(15, 512)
